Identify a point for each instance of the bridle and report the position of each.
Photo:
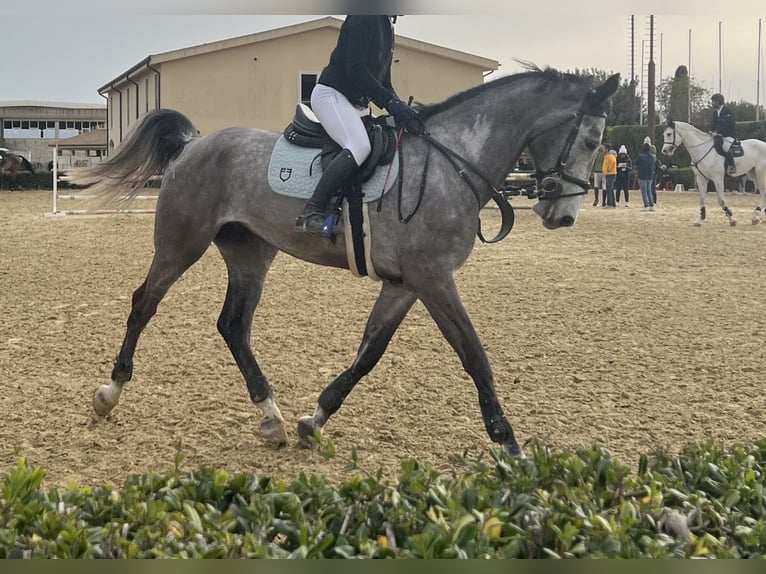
(549, 186)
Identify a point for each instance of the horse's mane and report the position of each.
(547, 75)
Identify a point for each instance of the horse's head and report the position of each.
(564, 145)
(669, 143)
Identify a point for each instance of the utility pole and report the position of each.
(634, 113)
(650, 90)
(720, 49)
(758, 76)
(689, 84)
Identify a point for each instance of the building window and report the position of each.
(308, 81)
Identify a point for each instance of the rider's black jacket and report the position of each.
(723, 122)
(360, 64)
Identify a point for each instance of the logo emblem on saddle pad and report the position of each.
(285, 173)
(294, 171)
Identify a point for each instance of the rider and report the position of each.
(723, 129)
(359, 71)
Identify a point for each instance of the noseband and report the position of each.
(549, 186)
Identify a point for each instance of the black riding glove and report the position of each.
(405, 117)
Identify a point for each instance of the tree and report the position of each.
(675, 94)
(745, 111)
(625, 103)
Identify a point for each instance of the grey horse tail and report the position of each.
(157, 139)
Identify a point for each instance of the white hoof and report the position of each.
(106, 398)
(273, 430)
(273, 424)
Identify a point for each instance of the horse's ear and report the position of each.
(599, 95)
(669, 123)
(608, 88)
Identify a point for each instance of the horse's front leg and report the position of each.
(392, 305)
(701, 183)
(442, 300)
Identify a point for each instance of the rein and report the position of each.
(506, 210)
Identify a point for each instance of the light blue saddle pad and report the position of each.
(294, 171)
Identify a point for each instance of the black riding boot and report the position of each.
(336, 174)
(729, 164)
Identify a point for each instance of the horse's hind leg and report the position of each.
(170, 260)
(392, 305)
(759, 180)
(248, 259)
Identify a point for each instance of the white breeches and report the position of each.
(341, 120)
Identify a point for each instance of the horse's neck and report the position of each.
(501, 124)
(692, 136)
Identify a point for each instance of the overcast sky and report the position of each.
(65, 52)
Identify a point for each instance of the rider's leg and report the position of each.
(343, 124)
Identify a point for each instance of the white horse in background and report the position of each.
(708, 165)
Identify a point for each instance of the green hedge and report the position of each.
(704, 502)
(26, 180)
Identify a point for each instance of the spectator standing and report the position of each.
(742, 183)
(624, 169)
(645, 173)
(656, 169)
(598, 174)
(609, 169)
(665, 179)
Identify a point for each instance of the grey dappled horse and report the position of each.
(214, 189)
(708, 165)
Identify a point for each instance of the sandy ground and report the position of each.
(632, 329)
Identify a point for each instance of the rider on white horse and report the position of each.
(723, 128)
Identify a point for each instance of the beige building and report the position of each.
(257, 80)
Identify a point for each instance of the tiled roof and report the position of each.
(91, 139)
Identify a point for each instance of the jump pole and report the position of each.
(55, 212)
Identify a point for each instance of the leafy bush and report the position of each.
(704, 502)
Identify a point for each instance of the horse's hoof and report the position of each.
(273, 431)
(732, 223)
(756, 221)
(308, 432)
(697, 224)
(514, 450)
(104, 400)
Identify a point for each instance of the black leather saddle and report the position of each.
(306, 131)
